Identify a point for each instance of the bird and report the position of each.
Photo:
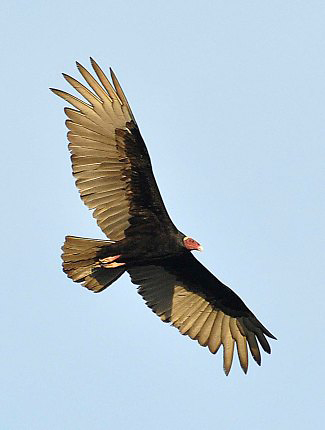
(113, 173)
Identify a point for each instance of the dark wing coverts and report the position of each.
(182, 291)
(109, 159)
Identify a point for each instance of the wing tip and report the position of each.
(258, 359)
(68, 78)
(96, 66)
(271, 335)
(92, 61)
(244, 369)
(81, 68)
(226, 371)
(58, 92)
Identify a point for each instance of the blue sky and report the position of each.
(229, 97)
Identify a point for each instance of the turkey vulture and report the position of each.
(113, 173)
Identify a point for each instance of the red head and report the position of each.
(191, 244)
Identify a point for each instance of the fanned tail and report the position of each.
(81, 263)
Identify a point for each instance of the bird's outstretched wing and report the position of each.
(182, 291)
(110, 161)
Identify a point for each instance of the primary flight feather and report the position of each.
(114, 176)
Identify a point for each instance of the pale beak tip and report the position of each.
(200, 248)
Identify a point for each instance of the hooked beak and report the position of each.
(200, 248)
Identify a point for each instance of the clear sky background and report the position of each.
(229, 97)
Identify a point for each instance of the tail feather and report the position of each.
(81, 263)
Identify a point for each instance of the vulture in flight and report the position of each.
(113, 173)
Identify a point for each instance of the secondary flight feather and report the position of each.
(113, 173)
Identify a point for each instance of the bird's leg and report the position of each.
(109, 262)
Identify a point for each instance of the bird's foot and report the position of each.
(110, 263)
